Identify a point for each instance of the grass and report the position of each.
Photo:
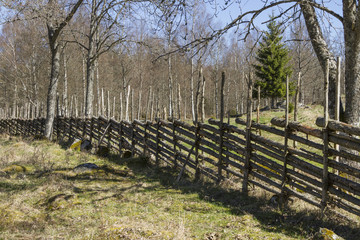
(42, 197)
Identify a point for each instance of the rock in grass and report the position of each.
(86, 167)
(86, 145)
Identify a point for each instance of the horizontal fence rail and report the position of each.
(221, 151)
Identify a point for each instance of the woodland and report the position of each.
(145, 59)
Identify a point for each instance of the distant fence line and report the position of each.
(309, 170)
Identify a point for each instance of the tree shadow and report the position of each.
(291, 221)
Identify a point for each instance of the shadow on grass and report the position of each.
(290, 221)
(11, 187)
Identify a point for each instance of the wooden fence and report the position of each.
(309, 170)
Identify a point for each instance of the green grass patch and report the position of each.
(132, 199)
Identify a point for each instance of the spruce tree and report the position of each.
(272, 68)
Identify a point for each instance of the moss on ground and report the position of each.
(132, 199)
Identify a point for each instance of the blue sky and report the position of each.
(232, 11)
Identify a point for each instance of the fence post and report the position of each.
(325, 177)
(197, 163)
(16, 126)
(99, 130)
(220, 162)
(337, 102)
(109, 134)
(175, 144)
(84, 126)
(91, 135)
(286, 151)
(157, 161)
(145, 138)
(258, 108)
(133, 142)
(248, 137)
(38, 126)
(120, 132)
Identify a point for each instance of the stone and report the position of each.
(86, 167)
(85, 146)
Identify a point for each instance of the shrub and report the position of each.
(291, 107)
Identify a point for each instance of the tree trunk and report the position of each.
(139, 105)
(84, 78)
(65, 94)
(179, 102)
(127, 104)
(321, 49)
(352, 59)
(171, 84)
(102, 102)
(121, 107)
(108, 109)
(203, 100)
(192, 90)
(297, 97)
(90, 69)
(52, 90)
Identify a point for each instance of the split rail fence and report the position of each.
(257, 154)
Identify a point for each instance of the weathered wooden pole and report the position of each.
(120, 132)
(337, 90)
(286, 151)
(157, 157)
(248, 137)
(296, 107)
(145, 138)
(297, 93)
(258, 107)
(220, 162)
(337, 101)
(176, 154)
(133, 141)
(325, 177)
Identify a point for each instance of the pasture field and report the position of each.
(42, 196)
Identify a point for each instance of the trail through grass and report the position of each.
(42, 197)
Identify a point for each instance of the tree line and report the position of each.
(142, 59)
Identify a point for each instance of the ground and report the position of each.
(42, 197)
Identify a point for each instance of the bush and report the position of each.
(291, 107)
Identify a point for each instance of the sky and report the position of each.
(241, 6)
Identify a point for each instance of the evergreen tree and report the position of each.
(273, 68)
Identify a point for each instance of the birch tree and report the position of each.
(56, 15)
(102, 36)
